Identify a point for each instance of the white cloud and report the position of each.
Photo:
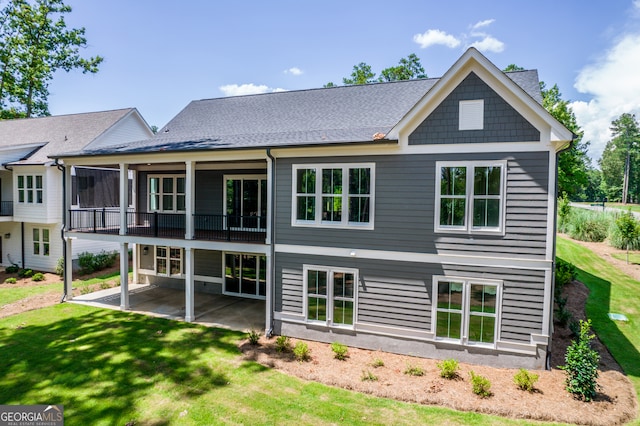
(488, 44)
(636, 4)
(433, 37)
(247, 89)
(614, 85)
(294, 71)
(486, 23)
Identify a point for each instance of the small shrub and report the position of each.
(302, 352)
(414, 370)
(368, 376)
(10, 280)
(116, 282)
(12, 269)
(525, 380)
(25, 273)
(574, 327)
(340, 351)
(38, 276)
(563, 315)
(448, 368)
(581, 365)
(90, 262)
(85, 290)
(105, 285)
(60, 267)
(480, 385)
(589, 226)
(283, 344)
(564, 212)
(377, 363)
(254, 337)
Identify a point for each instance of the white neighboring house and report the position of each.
(31, 186)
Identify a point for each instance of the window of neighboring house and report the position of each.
(330, 295)
(470, 197)
(167, 194)
(41, 242)
(334, 195)
(466, 310)
(168, 261)
(30, 189)
(471, 115)
(245, 274)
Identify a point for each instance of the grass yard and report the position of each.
(634, 258)
(110, 367)
(610, 291)
(11, 294)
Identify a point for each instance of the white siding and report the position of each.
(11, 247)
(131, 128)
(80, 246)
(40, 262)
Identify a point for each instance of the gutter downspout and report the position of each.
(272, 221)
(65, 275)
(555, 233)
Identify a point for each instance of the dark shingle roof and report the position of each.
(342, 114)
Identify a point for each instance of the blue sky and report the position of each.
(159, 55)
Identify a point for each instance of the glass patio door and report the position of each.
(245, 275)
(246, 202)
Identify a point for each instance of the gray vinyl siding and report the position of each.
(502, 123)
(399, 294)
(208, 263)
(404, 208)
(209, 188)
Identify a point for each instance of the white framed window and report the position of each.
(471, 115)
(333, 195)
(330, 295)
(167, 193)
(41, 246)
(466, 310)
(470, 197)
(168, 261)
(245, 275)
(30, 189)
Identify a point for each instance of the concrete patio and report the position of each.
(214, 310)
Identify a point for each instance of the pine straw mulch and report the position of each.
(615, 403)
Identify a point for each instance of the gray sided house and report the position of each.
(414, 217)
(31, 207)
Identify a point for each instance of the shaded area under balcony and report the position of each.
(209, 227)
(6, 208)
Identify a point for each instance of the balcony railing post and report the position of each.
(155, 224)
(104, 217)
(94, 220)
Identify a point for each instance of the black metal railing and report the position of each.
(6, 208)
(170, 225)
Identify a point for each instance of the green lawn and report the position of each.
(110, 367)
(9, 294)
(610, 291)
(634, 258)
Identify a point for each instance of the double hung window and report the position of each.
(30, 189)
(168, 261)
(333, 195)
(41, 242)
(330, 295)
(466, 310)
(470, 197)
(167, 194)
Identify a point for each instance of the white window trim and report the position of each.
(168, 258)
(243, 178)
(466, 300)
(471, 114)
(260, 265)
(41, 242)
(33, 190)
(468, 228)
(174, 193)
(330, 297)
(318, 222)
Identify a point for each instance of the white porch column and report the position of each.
(124, 197)
(68, 269)
(134, 260)
(124, 276)
(269, 295)
(190, 207)
(189, 262)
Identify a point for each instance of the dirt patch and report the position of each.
(616, 402)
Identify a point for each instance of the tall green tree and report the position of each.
(573, 164)
(36, 43)
(361, 74)
(621, 175)
(408, 68)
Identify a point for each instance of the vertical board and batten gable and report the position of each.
(399, 294)
(405, 201)
(502, 123)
